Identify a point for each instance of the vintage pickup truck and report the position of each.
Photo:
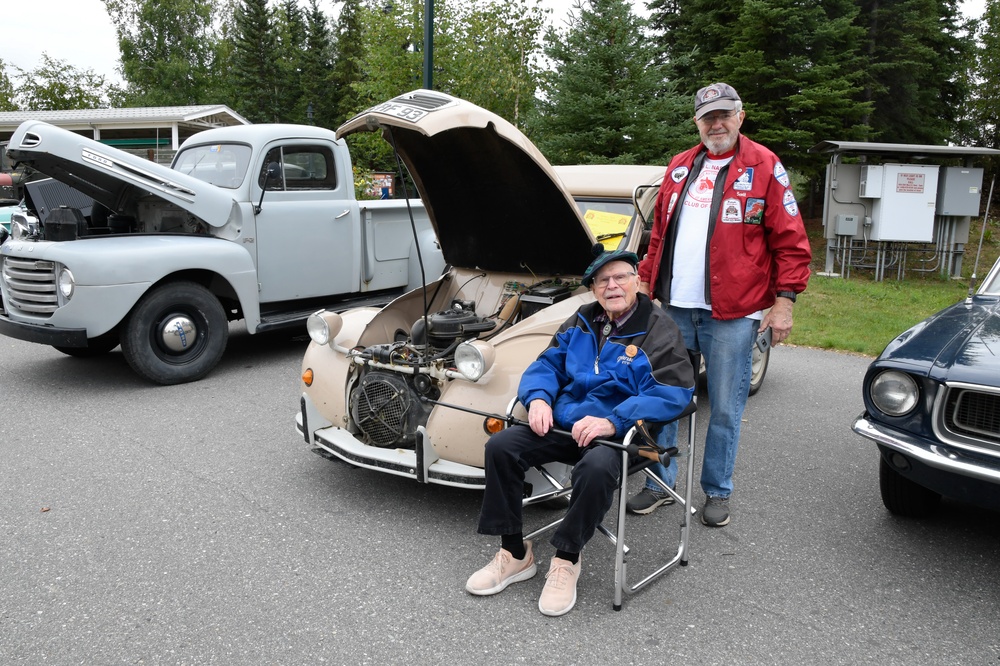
(256, 222)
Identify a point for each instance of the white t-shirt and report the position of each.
(687, 284)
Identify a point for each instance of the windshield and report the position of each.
(221, 164)
(991, 285)
(608, 219)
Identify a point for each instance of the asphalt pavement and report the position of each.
(190, 524)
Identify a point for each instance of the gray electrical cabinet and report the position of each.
(959, 191)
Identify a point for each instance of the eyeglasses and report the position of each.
(712, 118)
(621, 279)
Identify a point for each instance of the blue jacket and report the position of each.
(643, 372)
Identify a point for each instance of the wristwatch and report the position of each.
(790, 295)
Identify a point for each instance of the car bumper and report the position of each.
(944, 469)
(46, 335)
(421, 464)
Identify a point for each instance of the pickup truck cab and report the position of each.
(256, 222)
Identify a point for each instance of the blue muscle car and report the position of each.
(932, 405)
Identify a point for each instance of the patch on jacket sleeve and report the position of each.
(781, 175)
(678, 174)
(788, 201)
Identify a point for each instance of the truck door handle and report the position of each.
(343, 214)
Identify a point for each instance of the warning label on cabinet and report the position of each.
(910, 183)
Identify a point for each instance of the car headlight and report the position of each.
(895, 393)
(66, 283)
(323, 326)
(474, 358)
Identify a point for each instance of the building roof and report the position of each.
(136, 126)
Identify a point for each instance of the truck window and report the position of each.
(224, 165)
(302, 168)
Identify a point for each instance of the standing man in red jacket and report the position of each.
(727, 243)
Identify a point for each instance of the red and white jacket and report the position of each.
(757, 244)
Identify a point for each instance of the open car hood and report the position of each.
(494, 200)
(111, 176)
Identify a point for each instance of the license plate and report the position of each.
(402, 111)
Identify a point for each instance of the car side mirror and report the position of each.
(272, 172)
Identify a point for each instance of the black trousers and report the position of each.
(513, 451)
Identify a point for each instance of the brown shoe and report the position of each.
(559, 594)
(501, 572)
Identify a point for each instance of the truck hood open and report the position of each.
(494, 200)
(114, 177)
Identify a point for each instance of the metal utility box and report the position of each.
(846, 225)
(871, 181)
(960, 191)
(904, 211)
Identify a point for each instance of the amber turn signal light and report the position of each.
(307, 377)
(493, 425)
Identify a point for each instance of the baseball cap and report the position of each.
(716, 97)
(605, 258)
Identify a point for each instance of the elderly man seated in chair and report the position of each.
(614, 362)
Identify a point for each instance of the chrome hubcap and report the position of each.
(178, 333)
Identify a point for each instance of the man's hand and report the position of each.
(779, 318)
(590, 428)
(540, 417)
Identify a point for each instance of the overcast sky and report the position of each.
(80, 32)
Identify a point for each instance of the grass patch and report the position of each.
(862, 316)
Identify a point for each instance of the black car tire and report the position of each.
(904, 497)
(142, 339)
(98, 346)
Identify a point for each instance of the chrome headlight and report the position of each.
(474, 358)
(66, 283)
(324, 326)
(895, 393)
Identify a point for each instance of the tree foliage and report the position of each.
(55, 85)
(166, 47)
(7, 102)
(606, 98)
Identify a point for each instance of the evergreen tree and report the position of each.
(349, 63)
(319, 96)
(256, 75)
(292, 50)
(799, 69)
(916, 55)
(606, 99)
(983, 113)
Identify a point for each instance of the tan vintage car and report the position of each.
(407, 389)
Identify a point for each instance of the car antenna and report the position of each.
(982, 233)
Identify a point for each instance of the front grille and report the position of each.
(973, 413)
(31, 285)
(380, 408)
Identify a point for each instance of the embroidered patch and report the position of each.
(745, 181)
(791, 206)
(731, 211)
(780, 175)
(755, 212)
(631, 351)
(679, 174)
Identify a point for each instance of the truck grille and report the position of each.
(31, 285)
(974, 414)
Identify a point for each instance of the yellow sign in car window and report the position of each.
(608, 228)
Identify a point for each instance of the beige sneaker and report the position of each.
(559, 594)
(501, 572)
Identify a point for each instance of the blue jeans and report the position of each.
(727, 347)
